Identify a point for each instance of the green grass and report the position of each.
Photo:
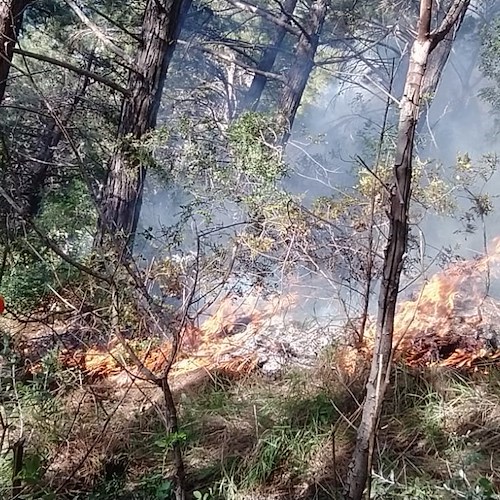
(436, 435)
(277, 435)
(268, 430)
(439, 438)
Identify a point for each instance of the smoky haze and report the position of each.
(343, 121)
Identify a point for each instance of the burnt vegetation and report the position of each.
(248, 249)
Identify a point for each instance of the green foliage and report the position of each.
(151, 486)
(26, 278)
(253, 142)
(490, 57)
(167, 442)
(32, 468)
(422, 488)
(290, 427)
(110, 489)
(155, 487)
(67, 217)
(32, 405)
(206, 495)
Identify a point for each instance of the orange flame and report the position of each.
(442, 323)
(214, 345)
(234, 314)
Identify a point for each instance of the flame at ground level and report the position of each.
(451, 322)
(212, 345)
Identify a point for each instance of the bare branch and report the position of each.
(265, 14)
(100, 35)
(457, 10)
(241, 64)
(71, 67)
(120, 26)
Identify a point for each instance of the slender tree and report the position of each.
(434, 69)
(425, 42)
(122, 193)
(11, 17)
(42, 165)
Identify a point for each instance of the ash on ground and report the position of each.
(279, 346)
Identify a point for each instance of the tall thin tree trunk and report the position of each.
(122, 193)
(17, 467)
(360, 466)
(11, 17)
(299, 73)
(173, 429)
(266, 63)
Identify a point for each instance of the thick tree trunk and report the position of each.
(259, 81)
(299, 73)
(11, 17)
(122, 194)
(360, 466)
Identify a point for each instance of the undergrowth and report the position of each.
(257, 438)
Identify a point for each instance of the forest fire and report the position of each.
(452, 319)
(215, 344)
(233, 321)
(234, 314)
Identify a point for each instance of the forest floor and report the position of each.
(100, 434)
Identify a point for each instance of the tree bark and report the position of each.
(11, 17)
(299, 73)
(266, 63)
(173, 429)
(360, 466)
(122, 193)
(434, 69)
(17, 467)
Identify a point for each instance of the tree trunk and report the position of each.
(11, 17)
(259, 81)
(360, 466)
(299, 73)
(434, 69)
(17, 468)
(172, 424)
(122, 193)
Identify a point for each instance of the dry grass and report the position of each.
(250, 437)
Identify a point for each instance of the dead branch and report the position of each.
(100, 35)
(72, 67)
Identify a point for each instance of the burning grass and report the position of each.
(452, 321)
(249, 436)
(245, 435)
(213, 345)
